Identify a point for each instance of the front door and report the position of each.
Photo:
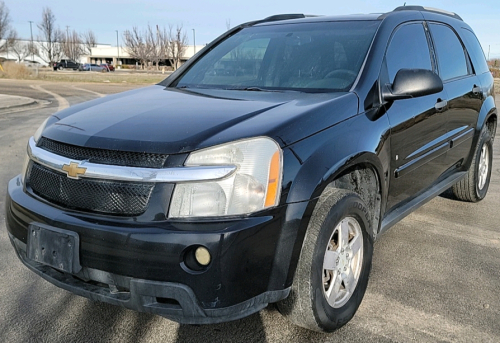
(418, 126)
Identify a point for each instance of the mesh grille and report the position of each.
(102, 156)
(111, 197)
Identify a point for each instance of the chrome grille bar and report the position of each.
(122, 173)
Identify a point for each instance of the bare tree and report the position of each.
(7, 34)
(73, 47)
(177, 45)
(20, 48)
(153, 44)
(136, 45)
(89, 41)
(50, 38)
(158, 42)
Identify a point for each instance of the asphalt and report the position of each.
(435, 274)
(12, 101)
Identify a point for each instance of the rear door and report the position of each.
(418, 126)
(463, 88)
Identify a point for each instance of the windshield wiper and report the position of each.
(258, 89)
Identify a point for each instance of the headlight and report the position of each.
(254, 186)
(25, 168)
(36, 137)
(38, 132)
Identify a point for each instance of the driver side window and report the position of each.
(408, 49)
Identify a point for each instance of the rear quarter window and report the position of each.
(450, 52)
(475, 51)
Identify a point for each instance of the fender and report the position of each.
(488, 110)
(324, 157)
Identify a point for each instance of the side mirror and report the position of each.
(412, 83)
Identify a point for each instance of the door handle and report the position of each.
(440, 105)
(476, 90)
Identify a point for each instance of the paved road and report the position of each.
(435, 277)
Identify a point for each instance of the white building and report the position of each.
(101, 53)
(106, 53)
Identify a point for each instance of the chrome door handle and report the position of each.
(476, 90)
(440, 105)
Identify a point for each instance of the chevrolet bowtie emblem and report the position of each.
(73, 170)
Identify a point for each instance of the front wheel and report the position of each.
(334, 264)
(474, 186)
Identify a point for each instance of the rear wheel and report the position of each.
(334, 264)
(474, 186)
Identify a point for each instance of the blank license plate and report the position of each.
(54, 247)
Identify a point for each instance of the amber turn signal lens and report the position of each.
(273, 180)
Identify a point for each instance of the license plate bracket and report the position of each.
(54, 247)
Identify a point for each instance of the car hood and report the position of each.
(170, 120)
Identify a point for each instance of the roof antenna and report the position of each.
(404, 4)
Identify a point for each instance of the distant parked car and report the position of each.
(65, 64)
(92, 67)
(109, 67)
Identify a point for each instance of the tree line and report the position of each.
(52, 43)
(154, 45)
(149, 47)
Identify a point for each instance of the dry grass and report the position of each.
(14, 71)
(111, 77)
(20, 71)
(497, 86)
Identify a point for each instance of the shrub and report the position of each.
(14, 70)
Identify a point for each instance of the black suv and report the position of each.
(261, 171)
(66, 64)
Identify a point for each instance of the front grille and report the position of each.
(110, 197)
(103, 156)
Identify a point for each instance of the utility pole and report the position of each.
(32, 47)
(117, 49)
(194, 41)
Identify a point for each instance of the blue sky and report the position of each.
(208, 18)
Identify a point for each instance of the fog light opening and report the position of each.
(196, 258)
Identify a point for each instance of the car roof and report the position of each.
(313, 19)
(401, 11)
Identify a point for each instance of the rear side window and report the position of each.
(408, 49)
(476, 52)
(450, 52)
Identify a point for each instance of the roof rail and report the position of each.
(427, 9)
(278, 17)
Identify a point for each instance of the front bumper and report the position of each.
(140, 266)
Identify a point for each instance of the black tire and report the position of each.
(60, 68)
(307, 305)
(469, 188)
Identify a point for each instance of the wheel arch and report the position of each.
(362, 174)
(487, 116)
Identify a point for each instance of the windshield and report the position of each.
(323, 56)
